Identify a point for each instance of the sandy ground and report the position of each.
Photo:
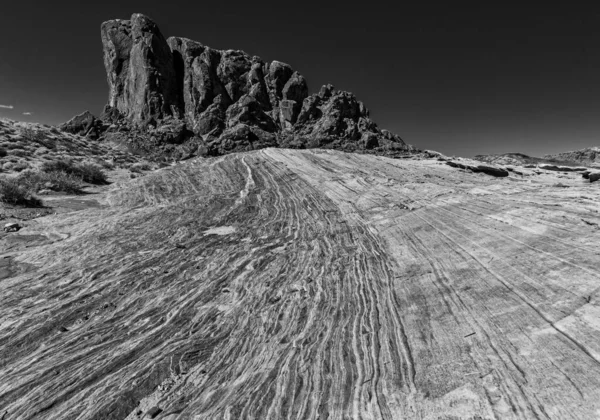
(307, 284)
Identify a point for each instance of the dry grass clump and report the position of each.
(13, 192)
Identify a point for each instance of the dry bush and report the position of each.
(86, 171)
(12, 192)
(55, 180)
(35, 136)
(92, 173)
(20, 166)
(18, 152)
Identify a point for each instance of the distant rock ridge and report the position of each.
(588, 156)
(176, 93)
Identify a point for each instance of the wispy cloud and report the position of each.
(6, 106)
(27, 113)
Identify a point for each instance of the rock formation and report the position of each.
(223, 101)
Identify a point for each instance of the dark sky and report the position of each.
(464, 81)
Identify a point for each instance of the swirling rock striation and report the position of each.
(308, 284)
(228, 100)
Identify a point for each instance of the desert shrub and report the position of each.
(7, 166)
(20, 166)
(90, 172)
(12, 192)
(18, 152)
(62, 181)
(58, 166)
(40, 137)
(54, 180)
(33, 135)
(87, 171)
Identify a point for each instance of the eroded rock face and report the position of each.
(140, 71)
(227, 96)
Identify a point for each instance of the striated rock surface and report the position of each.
(308, 284)
(229, 101)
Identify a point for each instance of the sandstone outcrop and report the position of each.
(228, 100)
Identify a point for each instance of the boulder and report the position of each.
(594, 176)
(84, 124)
(250, 112)
(492, 170)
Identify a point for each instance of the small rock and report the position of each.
(594, 176)
(153, 412)
(12, 227)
